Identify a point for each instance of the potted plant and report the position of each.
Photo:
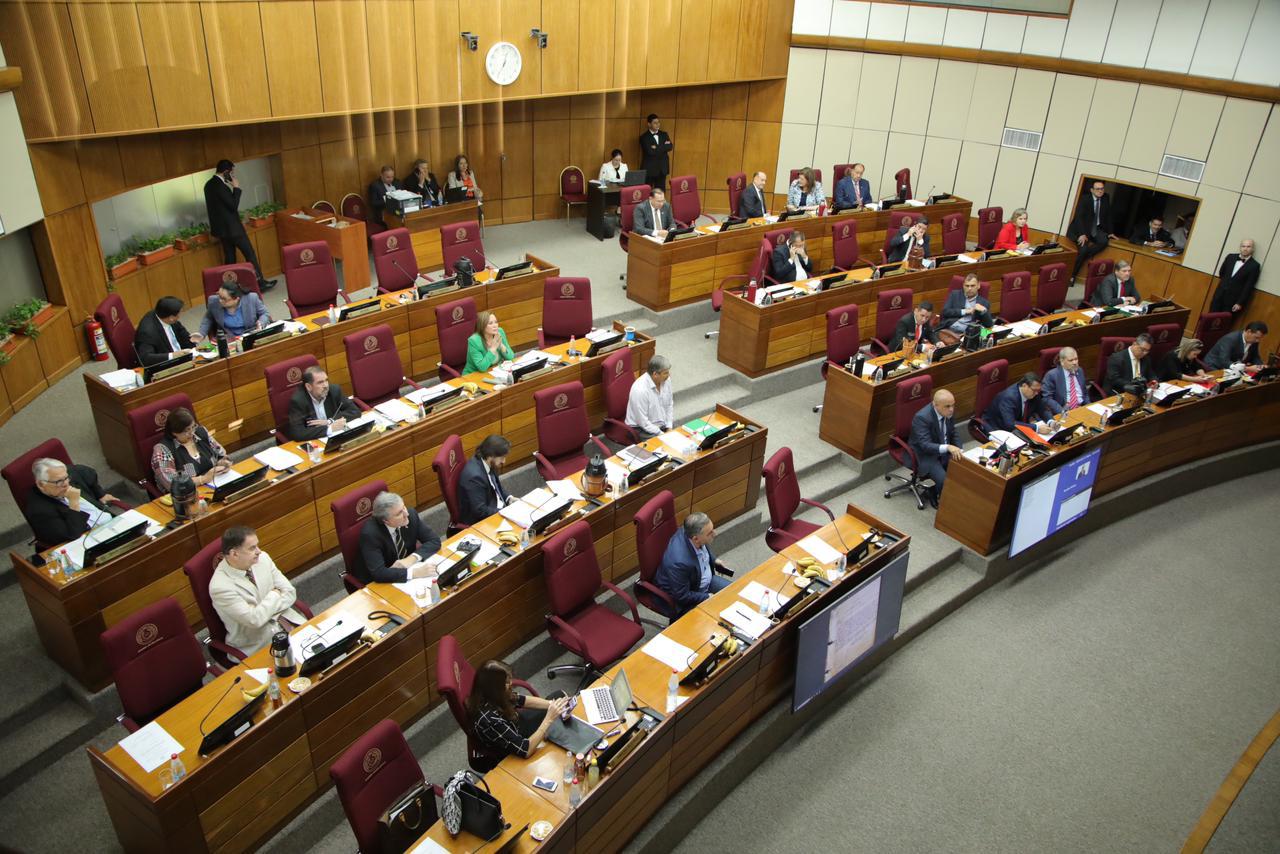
(155, 249)
(260, 215)
(121, 263)
(7, 343)
(26, 317)
(191, 237)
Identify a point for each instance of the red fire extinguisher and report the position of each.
(97, 341)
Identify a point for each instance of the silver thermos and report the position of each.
(282, 655)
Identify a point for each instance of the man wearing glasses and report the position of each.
(1091, 227)
(65, 502)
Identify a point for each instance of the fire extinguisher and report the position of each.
(97, 341)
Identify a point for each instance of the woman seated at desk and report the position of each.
(805, 192)
(614, 171)
(186, 447)
(234, 311)
(506, 723)
(1181, 363)
(488, 344)
(423, 181)
(460, 184)
(1013, 234)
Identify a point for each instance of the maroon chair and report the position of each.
(117, 329)
(1015, 296)
(1098, 269)
(376, 372)
(629, 199)
(655, 525)
(837, 174)
(1051, 290)
(912, 394)
(448, 464)
(353, 206)
(350, 511)
(573, 189)
(18, 472)
(795, 173)
(327, 207)
(563, 431)
(778, 236)
(759, 272)
(686, 204)
(1164, 337)
(954, 229)
(1108, 345)
(897, 219)
(1211, 326)
(993, 377)
(454, 678)
(616, 379)
(902, 180)
(371, 775)
(890, 306)
(589, 630)
(782, 491)
(310, 278)
(146, 427)
(455, 322)
(1048, 360)
(394, 260)
(462, 240)
(283, 379)
(845, 252)
(737, 182)
(241, 274)
(566, 310)
(984, 288)
(844, 338)
(155, 661)
(990, 221)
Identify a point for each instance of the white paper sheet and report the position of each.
(742, 618)
(968, 259)
(518, 513)
(816, 546)
(124, 378)
(226, 477)
(977, 454)
(259, 673)
(678, 442)
(754, 592)
(600, 334)
(108, 529)
(564, 489)
(1026, 328)
(396, 410)
(304, 637)
(1001, 437)
(278, 458)
(1097, 409)
(672, 654)
(427, 395)
(151, 746)
(428, 846)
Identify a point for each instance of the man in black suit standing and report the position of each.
(392, 541)
(1237, 347)
(789, 261)
(378, 193)
(222, 198)
(480, 489)
(1091, 226)
(1132, 362)
(1118, 288)
(933, 438)
(65, 501)
(318, 408)
(1153, 235)
(655, 147)
(751, 203)
(907, 237)
(160, 336)
(915, 326)
(1236, 280)
(654, 218)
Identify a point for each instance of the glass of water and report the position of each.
(421, 593)
(316, 453)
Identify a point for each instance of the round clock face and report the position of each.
(503, 63)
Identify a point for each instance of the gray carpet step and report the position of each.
(62, 727)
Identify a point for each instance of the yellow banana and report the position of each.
(249, 693)
(805, 562)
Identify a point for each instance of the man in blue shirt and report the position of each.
(685, 573)
(234, 311)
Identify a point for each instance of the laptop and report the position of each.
(517, 269)
(635, 178)
(604, 705)
(1171, 398)
(1050, 325)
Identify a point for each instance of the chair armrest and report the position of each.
(545, 468)
(778, 532)
(1039, 312)
(121, 505)
(630, 431)
(721, 569)
(824, 508)
(344, 296)
(293, 311)
(878, 347)
(573, 633)
(1096, 390)
(604, 449)
(226, 649)
(437, 790)
(708, 217)
(304, 608)
(635, 614)
(542, 341)
(1085, 304)
(407, 381)
(447, 369)
(529, 689)
(213, 669)
(364, 407)
(657, 591)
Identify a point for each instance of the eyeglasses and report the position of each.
(62, 481)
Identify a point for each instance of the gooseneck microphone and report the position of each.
(205, 719)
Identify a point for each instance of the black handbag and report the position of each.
(481, 811)
(406, 820)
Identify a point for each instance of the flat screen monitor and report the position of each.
(835, 639)
(1050, 503)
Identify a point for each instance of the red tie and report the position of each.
(918, 328)
(1073, 396)
(1026, 409)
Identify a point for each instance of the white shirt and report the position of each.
(609, 176)
(318, 405)
(650, 408)
(1239, 264)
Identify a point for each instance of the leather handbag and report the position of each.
(406, 820)
(469, 807)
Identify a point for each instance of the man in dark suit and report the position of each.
(1021, 404)
(1091, 226)
(655, 216)
(966, 306)
(480, 490)
(1237, 347)
(222, 198)
(1132, 362)
(392, 541)
(751, 203)
(1236, 279)
(789, 261)
(318, 408)
(908, 236)
(1118, 288)
(378, 193)
(688, 570)
(1066, 385)
(933, 438)
(853, 191)
(1153, 235)
(65, 501)
(160, 336)
(655, 148)
(916, 326)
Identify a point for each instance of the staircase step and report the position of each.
(63, 726)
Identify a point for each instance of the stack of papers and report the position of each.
(520, 512)
(259, 673)
(1025, 328)
(977, 454)
(745, 620)
(278, 458)
(915, 203)
(122, 379)
(564, 489)
(1000, 437)
(151, 746)
(968, 259)
(396, 410)
(678, 442)
(819, 550)
(302, 639)
(600, 334)
(674, 655)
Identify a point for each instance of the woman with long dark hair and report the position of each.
(505, 722)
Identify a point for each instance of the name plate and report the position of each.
(176, 369)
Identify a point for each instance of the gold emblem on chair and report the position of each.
(573, 178)
(995, 375)
(844, 318)
(896, 302)
(1017, 284)
(570, 547)
(372, 760)
(684, 186)
(363, 506)
(453, 459)
(617, 368)
(457, 313)
(115, 315)
(738, 183)
(1164, 335)
(293, 376)
(657, 518)
(228, 276)
(782, 469)
(147, 634)
(460, 235)
(915, 390)
(161, 417)
(844, 231)
(393, 243)
(566, 290)
(307, 256)
(1053, 274)
(370, 343)
(991, 216)
(561, 401)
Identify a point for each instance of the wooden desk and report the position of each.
(424, 229)
(664, 275)
(1164, 276)
(978, 505)
(349, 243)
(601, 198)
(858, 414)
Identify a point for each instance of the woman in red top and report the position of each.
(1013, 235)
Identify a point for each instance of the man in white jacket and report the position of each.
(249, 593)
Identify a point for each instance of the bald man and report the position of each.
(1066, 384)
(933, 438)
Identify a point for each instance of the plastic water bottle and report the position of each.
(573, 345)
(176, 768)
(764, 608)
(568, 767)
(333, 314)
(575, 793)
(64, 561)
(434, 589)
(273, 688)
(673, 691)
(593, 775)
(524, 539)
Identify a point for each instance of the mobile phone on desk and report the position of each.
(544, 784)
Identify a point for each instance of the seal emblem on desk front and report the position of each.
(561, 401)
(363, 506)
(393, 242)
(372, 760)
(146, 635)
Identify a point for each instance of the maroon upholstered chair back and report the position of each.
(448, 464)
(572, 185)
(454, 678)
(1108, 345)
(1164, 337)
(781, 489)
(1015, 295)
(571, 569)
(843, 335)
(455, 322)
(897, 219)
(778, 236)
(561, 414)
(844, 244)
(992, 379)
(283, 379)
(18, 472)
(312, 282)
(817, 175)
(350, 511)
(241, 274)
(990, 221)
(760, 265)
(616, 378)
(1211, 326)
(371, 774)
(890, 306)
(117, 328)
(459, 239)
(737, 182)
(902, 180)
(1051, 288)
(953, 233)
(199, 570)
(566, 309)
(391, 248)
(155, 660)
(686, 205)
(1048, 360)
(374, 362)
(957, 282)
(912, 394)
(1098, 269)
(353, 206)
(837, 173)
(629, 199)
(655, 523)
(327, 207)
(146, 427)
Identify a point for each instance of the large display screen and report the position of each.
(1050, 503)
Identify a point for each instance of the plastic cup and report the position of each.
(630, 333)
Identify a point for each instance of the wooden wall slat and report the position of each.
(173, 36)
(393, 64)
(434, 21)
(292, 57)
(663, 48)
(109, 40)
(38, 38)
(237, 60)
(343, 40)
(563, 53)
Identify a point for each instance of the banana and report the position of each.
(470, 388)
(249, 693)
(805, 562)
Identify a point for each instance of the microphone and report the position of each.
(930, 194)
(233, 684)
(405, 273)
(312, 648)
(693, 656)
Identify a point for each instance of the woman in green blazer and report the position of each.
(488, 345)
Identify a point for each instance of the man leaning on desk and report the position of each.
(654, 217)
(1237, 347)
(688, 570)
(1129, 364)
(1022, 404)
(392, 541)
(1118, 288)
(250, 594)
(160, 336)
(789, 261)
(933, 438)
(915, 326)
(480, 489)
(65, 501)
(318, 407)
